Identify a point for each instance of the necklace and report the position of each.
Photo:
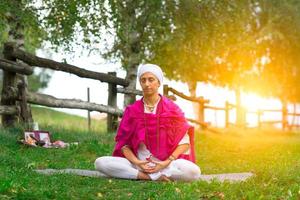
(150, 107)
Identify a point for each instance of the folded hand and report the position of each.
(145, 166)
(159, 165)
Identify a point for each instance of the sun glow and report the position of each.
(253, 102)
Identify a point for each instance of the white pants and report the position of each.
(119, 167)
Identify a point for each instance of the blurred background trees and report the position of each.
(250, 46)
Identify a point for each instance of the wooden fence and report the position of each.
(15, 96)
(203, 105)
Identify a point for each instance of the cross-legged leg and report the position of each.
(185, 170)
(118, 167)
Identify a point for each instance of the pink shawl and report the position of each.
(160, 132)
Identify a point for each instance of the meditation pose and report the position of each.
(154, 140)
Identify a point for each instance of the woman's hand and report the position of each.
(159, 165)
(145, 166)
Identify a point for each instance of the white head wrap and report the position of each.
(154, 69)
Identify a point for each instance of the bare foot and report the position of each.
(164, 179)
(143, 176)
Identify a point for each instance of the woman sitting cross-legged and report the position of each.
(154, 140)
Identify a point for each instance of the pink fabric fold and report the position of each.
(160, 132)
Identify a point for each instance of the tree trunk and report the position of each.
(132, 33)
(130, 62)
(131, 77)
(16, 36)
(9, 81)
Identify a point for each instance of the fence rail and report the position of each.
(14, 91)
(33, 60)
(15, 96)
(202, 106)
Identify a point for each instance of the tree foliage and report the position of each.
(134, 27)
(19, 22)
(248, 45)
(14, 13)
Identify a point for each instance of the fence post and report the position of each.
(25, 114)
(227, 108)
(9, 81)
(240, 116)
(165, 90)
(240, 111)
(259, 113)
(112, 120)
(284, 115)
(88, 113)
(201, 110)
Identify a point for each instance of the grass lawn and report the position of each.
(272, 155)
(49, 117)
